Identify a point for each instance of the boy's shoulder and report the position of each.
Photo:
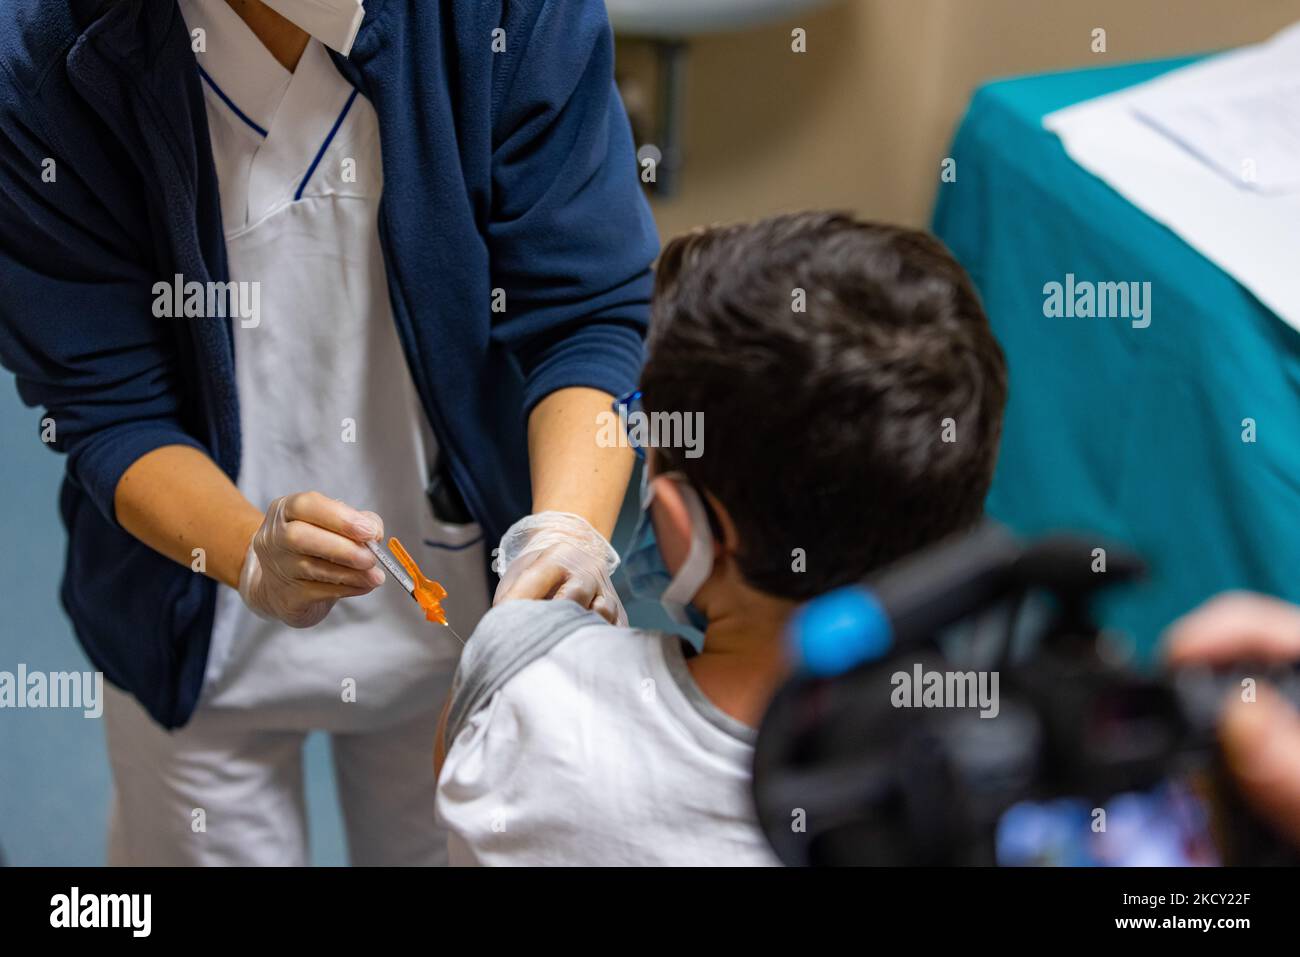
(518, 634)
(573, 741)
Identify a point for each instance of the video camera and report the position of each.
(907, 736)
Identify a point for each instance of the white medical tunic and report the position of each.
(326, 399)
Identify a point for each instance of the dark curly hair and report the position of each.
(827, 429)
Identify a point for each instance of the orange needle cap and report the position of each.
(427, 592)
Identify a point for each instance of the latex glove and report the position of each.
(306, 556)
(559, 555)
(1261, 738)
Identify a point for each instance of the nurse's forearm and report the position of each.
(571, 472)
(175, 499)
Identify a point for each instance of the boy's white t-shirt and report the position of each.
(574, 742)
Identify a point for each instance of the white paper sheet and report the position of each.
(1213, 152)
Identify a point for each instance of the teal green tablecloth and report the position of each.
(1132, 433)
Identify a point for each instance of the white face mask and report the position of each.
(332, 22)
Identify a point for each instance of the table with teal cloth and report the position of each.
(1132, 434)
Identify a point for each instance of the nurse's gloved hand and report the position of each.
(559, 555)
(307, 554)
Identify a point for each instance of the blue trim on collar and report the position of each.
(231, 103)
(320, 154)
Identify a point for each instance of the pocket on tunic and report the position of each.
(445, 536)
(455, 555)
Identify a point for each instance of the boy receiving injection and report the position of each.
(852, 395)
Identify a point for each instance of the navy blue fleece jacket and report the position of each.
(512, 170)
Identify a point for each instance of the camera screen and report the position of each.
(1168, 826)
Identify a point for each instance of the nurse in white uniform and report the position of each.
(326, 402)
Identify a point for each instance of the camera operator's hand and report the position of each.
(1261, 739)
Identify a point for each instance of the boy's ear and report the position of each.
(730, 539)
(673, 525)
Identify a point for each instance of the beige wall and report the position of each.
(863, 118)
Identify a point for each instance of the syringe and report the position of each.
(427, 593)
